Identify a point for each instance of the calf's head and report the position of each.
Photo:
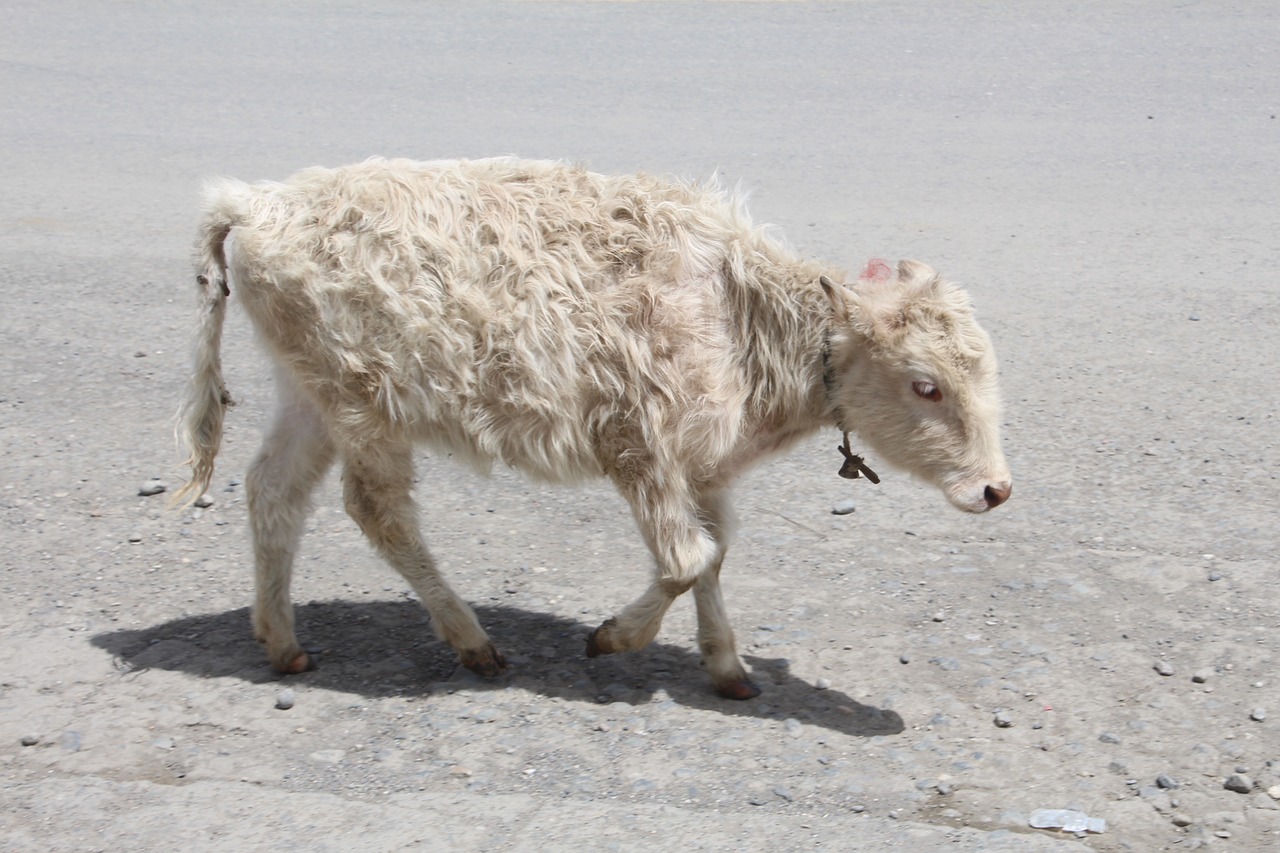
(912, 372)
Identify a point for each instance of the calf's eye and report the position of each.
(927, 391)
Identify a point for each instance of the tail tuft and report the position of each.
(207, 399)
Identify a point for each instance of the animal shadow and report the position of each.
(386, 648)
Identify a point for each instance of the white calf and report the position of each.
(570, 325)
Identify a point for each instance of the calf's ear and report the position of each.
(836, 296)
(914, 272)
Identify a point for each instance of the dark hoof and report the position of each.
(487, 662)
(303, 662)
(743, 689)
(594, 647)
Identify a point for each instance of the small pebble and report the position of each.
(843, 508)
(1193, 317)
(939, 616)
(1180, 819)
(1215, 576)
(204, 501)
(1108, 737)
(1239, 783)
(1003, 719)
(1166, 781)
(1200, 676)
(163, 743)
(1164, 667)
(285, 699)
(30, 740)
(904, 658)
(822, 683)
(151, 487)
(784, 794)
(1258, 714)
(1274, 792)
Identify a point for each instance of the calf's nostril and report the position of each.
(996, 494)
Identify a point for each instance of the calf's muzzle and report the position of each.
(997, 493)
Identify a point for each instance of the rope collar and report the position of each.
(854, 466)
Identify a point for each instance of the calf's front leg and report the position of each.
(715, 634)
(686, 535)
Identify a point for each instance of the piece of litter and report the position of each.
(1067, 820)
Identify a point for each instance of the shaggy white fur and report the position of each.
(570, 325)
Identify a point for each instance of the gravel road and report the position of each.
(1101, 176)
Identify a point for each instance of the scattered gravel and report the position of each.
(152, 487)
(1239, 782)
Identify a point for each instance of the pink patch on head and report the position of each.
(877, 269)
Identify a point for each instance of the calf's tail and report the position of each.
(207, 399)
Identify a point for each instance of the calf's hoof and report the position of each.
(598, 640)
(742, 688)
(487, 662)
(301, 662)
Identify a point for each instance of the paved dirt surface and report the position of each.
(1101, 176)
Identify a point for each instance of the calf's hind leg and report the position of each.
(376, 494)
(294, 457)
